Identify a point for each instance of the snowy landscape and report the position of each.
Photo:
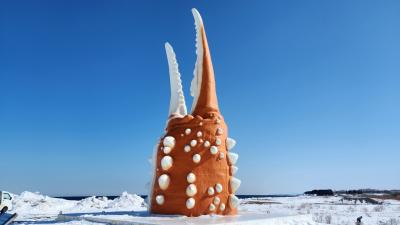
(306, 92)
(35, 208)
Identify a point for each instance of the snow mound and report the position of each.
(92, 202)
(127, 200)
(28, 203)
(36, 203)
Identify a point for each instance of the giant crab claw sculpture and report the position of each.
(194, 168)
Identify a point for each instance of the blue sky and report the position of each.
(310, 90)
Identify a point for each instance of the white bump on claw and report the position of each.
(199, 134)
(222, 207)
(206, 144)
(193, 143)
(167, 150)
(218, 141)
(220, 131)
(163, 181)
(186, 148)
(169, 141)
(212, 207)
(166, 162)
(191, 178)
(217, 200)
(230, 143)
(214, 150)
(187, 131)
(218, 188)
(232, 157)
(210, 191)
(191, 190)
(221, 155)
(196, 158)
(160, 199)
(190, 203)
(233, 201)
(234, 169)
(235, 184)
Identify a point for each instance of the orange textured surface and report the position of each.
(209, 171)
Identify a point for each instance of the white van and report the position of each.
(5, 201)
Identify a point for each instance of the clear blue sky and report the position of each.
(310, 90)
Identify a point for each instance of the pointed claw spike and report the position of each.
(196, 82)
(233, 201)
(232, 157)
(203, 84)
(230, 143)
(177, 105)
(197, 17)
(234, 170)
(234, 184)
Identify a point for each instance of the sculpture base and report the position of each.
(144, 218)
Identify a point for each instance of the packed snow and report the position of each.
(328, 210)
(35, 208)
(32, 206)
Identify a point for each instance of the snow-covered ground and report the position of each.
(34, 208)
(37, 207)
(328, 210)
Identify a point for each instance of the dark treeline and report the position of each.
(367, 191)
(330, 192)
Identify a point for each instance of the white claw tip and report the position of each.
(197, 17)
(230, 143)
(234, 170)
(235, 184)
(168, 46)
(232, 157)
(233, 201)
